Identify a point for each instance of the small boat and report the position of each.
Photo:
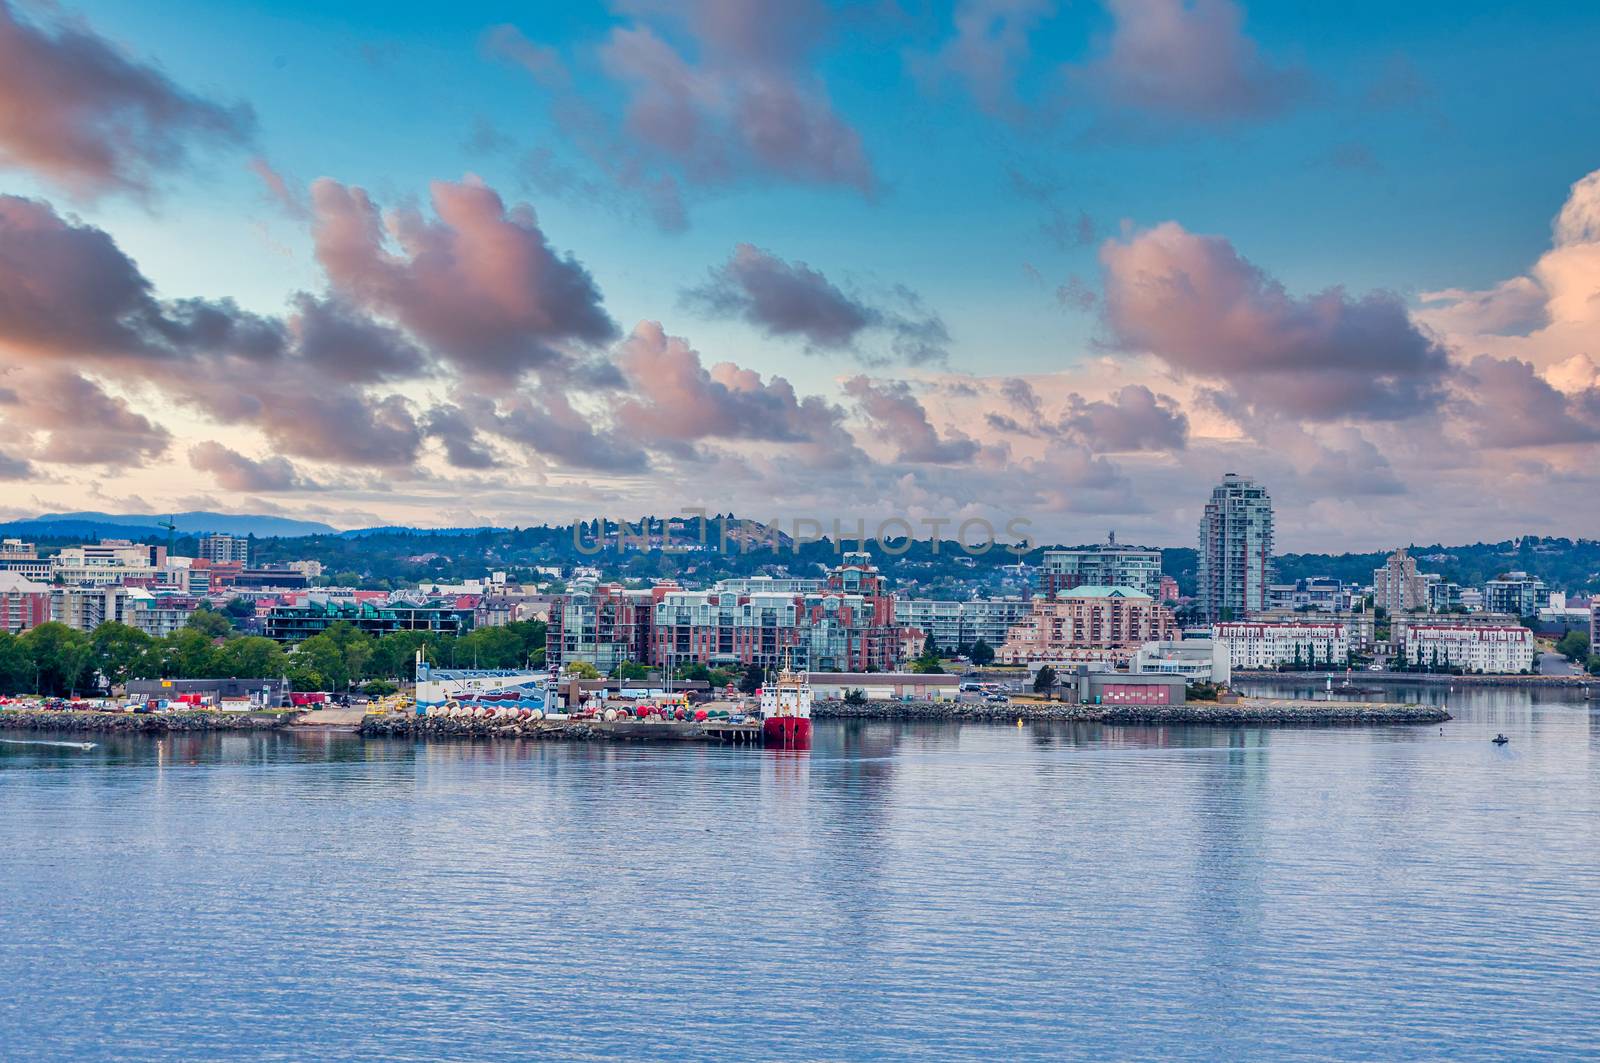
(1500, 740)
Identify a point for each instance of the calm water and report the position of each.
(903, 891)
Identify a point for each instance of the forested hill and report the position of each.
(1572, 565)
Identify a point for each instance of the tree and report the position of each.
(926, 665)
(251, 657)
(210, 623)
(582, 670)
(1044, 680)
(632, 670)
(59, 654)
(120, 653)
(1594, 664)
(693, 670)
(187, 653)
(318, 663)
(929, 649)
(855, 696)
(16, 666)
(239, 608)
(982, 654)
(752, 679)
(1574, 646)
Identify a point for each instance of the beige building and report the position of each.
(1397, 587)
(1088, 623)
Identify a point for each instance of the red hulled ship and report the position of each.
(786, 711)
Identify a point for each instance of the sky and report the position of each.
(1018, 260)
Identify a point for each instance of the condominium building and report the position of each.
(87, 607)
(1397, 586)
(23, 559)
(1319, 594)
(847, 623)
(294, 623)
(1235, 549)
(158, 615)
(1107, 564)
(225, 548)
(1301, 641)
(1488, 648)
(1594, 626)
(1088, 623)
(108, 561)
(1515, 593)
(24, 603)
(962, 623)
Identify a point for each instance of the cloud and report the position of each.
(286, 196)
(1134, 419)
(676, 400)
(339, 343)
(454, 428)
(12, 468)
(1187, 61)
(72, 420)
(1195, 303)
(480, 284)
(1513, 406)
(1547, 316)
(786, 300)
(78, 113)
(894, 413)
(545, 424)
(235, 472)
(989, 44)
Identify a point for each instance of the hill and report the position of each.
(95, 525)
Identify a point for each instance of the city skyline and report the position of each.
(485, 266)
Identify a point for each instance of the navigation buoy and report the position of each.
(1019, 721)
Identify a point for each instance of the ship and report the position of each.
(786, 711)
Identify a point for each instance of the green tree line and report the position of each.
(57, 660)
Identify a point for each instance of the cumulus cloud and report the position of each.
(897, 415)
(78, 112)
(72, 420)
(1548, 316)
(235, 472)
(453, 428)
(1196, 304)
(13, 468)
(1135, 418)
(1187, 61)
(480, 284)
(1513, 406)
(790, 299)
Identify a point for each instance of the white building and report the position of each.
(1308, 642)
(1235, 559)
(1496, 649)
(1197, 660)
(86, 608)
(962, 623)
(108, 561)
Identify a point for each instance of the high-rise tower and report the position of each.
(1235, 549)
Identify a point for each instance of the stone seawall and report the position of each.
(1252, 712)
(137, 723)
(1576, 681)
(409, 726)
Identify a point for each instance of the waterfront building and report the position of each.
(832, 686)
(1443, 595)
(1496, 649)
(295, 623)
(602, 624)
(223, 549)
(1397, 587)
(1088, 623)
(1298, 640)
(1196, 660)
(24, 603)
(1594, 625)
(1235, 549)
(1107, 564)
(1515, 593)
(24, 560)
(962, 623)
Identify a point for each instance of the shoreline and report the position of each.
(1574, 681)
(1257, 712)
(139, 723)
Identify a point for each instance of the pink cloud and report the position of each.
(79, 113)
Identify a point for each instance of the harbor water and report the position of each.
(903, 890)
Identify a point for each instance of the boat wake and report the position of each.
(42, 742)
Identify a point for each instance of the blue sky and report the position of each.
(1417, 147)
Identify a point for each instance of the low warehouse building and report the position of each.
(882, 686)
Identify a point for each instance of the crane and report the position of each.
(171, 524)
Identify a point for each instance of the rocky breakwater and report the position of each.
(1247, 712)
(396, 725)
(138, 723)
